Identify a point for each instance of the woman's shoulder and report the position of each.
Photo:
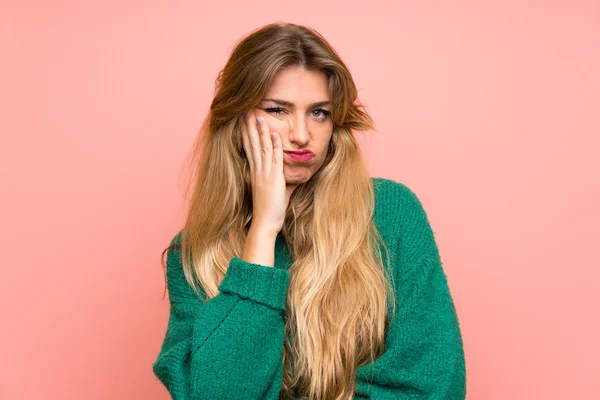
(176, 240)
(395, 199)
(400, 215)
(387, 185)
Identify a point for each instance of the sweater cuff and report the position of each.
(266, 285)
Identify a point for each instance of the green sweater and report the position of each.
(230, 346)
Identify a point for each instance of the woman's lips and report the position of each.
(301, 157)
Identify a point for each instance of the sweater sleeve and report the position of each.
(423, 357)
(229, 346)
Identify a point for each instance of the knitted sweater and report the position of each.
(230, 347)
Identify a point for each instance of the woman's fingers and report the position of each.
(265, 155)
(266, 145)
(253, 140)
(263, 148)
(277, 152)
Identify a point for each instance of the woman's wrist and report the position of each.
(260, 247)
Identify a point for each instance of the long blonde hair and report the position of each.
(340, 290)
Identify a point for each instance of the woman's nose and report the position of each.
(297, 131)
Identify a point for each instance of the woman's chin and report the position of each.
(296, 179)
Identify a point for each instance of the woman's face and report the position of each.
(297, 106)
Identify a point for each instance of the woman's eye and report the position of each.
(319, 115)
(323, 116)
(275, 110)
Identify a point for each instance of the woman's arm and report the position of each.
(229, 346)
(424, 356)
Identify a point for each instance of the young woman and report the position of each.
(296, 274)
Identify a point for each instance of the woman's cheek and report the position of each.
(278, 125)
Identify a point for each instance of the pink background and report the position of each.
(489, 111)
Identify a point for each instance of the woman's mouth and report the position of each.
(300, 156)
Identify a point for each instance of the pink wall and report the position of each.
(489, 111)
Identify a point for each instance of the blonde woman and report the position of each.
(296, 274)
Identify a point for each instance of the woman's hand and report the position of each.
(265, 156)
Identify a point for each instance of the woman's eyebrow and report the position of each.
(290, 104)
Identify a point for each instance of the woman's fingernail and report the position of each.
(260, 120)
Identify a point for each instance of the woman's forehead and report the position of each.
(299, 87)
